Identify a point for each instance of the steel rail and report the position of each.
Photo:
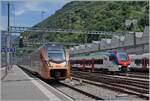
(112, 87)
(83, 92)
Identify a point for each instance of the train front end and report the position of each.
(58, 62)
(123, 61)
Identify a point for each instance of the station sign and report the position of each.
(11, 50)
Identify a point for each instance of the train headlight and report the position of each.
(129, 66)
(119, 66)
(65, 64)
(49, 64)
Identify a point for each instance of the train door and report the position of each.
(138, 63)
(106, 62)
(99, 64)
(145, 63)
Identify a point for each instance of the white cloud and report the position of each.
(34, 6)
(19, 12)
(19, 8)
(25, 6)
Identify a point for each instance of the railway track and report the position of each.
(130, 74)
(120, 79)
(89, 90)
(139, 75)
(83, 91)
(73, 92)
(135, 87)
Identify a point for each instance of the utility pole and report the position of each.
(42, 16)
(8, 39)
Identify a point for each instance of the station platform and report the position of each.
(17, 85)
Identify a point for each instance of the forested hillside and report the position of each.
(94, 15)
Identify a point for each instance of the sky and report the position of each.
(27, 13)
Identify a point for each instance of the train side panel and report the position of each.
(104, 61)
(140, 62)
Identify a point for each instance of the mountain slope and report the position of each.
(95, 15)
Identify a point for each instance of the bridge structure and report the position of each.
(19, 29)
(64, 43)
(15, 29)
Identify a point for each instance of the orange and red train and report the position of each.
(50, 61)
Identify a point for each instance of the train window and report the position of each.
(123, 56)
(100, 61)
(138, 61)
(56, 55)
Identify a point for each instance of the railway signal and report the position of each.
(21, 42)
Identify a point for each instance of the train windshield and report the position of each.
(123, 56)
(56, 55)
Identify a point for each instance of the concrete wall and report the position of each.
(141, 43)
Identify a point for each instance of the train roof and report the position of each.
(139, 56)
(54, 46)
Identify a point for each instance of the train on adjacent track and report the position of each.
(113, 61)
(139, 63)
(50, 61)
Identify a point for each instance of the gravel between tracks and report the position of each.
(109, 80)
(70, 92)
(104, 93)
